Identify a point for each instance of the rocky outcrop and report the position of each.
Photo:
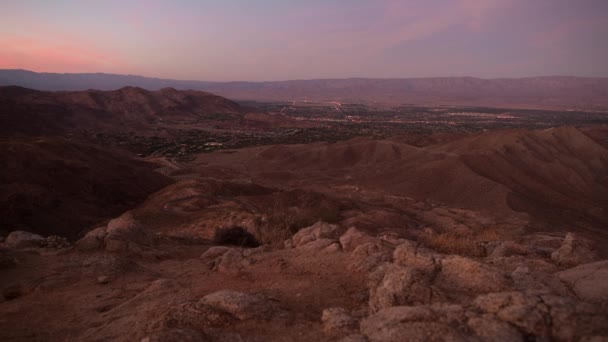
(122, 234)
(410, 255)
(338, 320)
(544, 315)
(573, 251)
(23, 239)
(393, 285)
(589, 281)
(466, 275)
(415, 323)
(354, 238)
(318, 231)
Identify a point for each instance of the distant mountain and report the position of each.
(533, 92)
(40, 112)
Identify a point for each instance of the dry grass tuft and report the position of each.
(462, 243)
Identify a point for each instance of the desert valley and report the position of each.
(302, 171)
(175, 215)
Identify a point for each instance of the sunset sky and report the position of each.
(284, 39)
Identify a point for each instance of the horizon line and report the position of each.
(306, 79)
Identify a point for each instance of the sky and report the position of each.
(267, 40)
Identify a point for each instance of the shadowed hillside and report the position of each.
(35, 112)
(57, 186)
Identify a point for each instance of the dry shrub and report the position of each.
(462, 243)
(285, 216)
(236, 236)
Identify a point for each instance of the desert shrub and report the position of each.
(235, 236)
(286, 213)
(461, 243)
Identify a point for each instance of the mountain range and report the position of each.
(550, 92)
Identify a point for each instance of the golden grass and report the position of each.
(465, 244)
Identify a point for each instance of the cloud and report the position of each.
(30, 53)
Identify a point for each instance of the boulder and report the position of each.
(417, 257)
(394, 285)
(231, 262)
(544, 315)
(409, 323)
(338, 320)
(589, 281)
(242, 305)
(23, 239)
(319, 245)
(214, 252)
(126, 230)
(353, 238)
(507, 249)
(92, 240)
(488, 328)
(574, 251)
(319, 230)
(467, 275)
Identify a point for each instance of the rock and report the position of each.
(125, 233)
(92, 240)
(103, 280)
(354, 338)
(467, 275)
(395, 285)
(334, 247)
(508, 248)
(488, 328)
(417, 257)
(214, 252)
(319, 230)
(409, 323)
(231, 262)
(242, 305)
(317, 245)
(371, 248)
(23, 239)
(338, 320)
(354, 238)
(175, 335)
(543, 315)
(588, 281)
(573, 251)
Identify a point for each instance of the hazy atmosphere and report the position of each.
(280, 40)
(297, 171)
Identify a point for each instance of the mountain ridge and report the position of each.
(551, 92)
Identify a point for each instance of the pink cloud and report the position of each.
(28, 53)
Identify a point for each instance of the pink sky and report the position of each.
(277, 40)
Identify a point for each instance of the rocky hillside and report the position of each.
(29, 111)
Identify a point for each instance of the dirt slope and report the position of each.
(57, 186)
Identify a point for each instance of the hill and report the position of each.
(58, 186)
(533, 92)
(38, 112)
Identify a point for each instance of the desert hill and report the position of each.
(531, 92)
(35, 112)
(557, 175)
(360, 240)
(61, 187)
